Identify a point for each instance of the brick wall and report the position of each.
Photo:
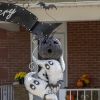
(14, 54)
(20, 93)
(84, 51)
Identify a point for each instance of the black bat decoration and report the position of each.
(42, 30)
(46, 7)
(18, 15)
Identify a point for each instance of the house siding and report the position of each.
(83, 51)
(14, 54)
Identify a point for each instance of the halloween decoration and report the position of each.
(61, 60)
(48, 88)
(50, 48)
(46, 82)
(42, 74)
(50, 74)
(36, 86)
(44, 6)
(18, 15)
(53, 69)
(42, 29)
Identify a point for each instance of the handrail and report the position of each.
(87, 89)
(6, 92)
(80, 94)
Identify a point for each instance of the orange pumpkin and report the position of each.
(80, 84)
(68, 97)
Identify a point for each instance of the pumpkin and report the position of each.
(50, 48)
(80, 84)
(68, 97)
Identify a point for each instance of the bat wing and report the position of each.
(45, 28)
(52, 6)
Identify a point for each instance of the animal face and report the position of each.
(36, 86)
(50, 48)
(43, 75)
(53, 70)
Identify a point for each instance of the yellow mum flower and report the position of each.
(20, 75)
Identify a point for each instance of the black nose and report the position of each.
(49, 51)
(49, 44)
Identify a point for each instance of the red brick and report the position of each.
(3, 34)
(3, 53)
(84, 51)
(3, 74)
(14, 54)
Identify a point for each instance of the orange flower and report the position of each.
(83, 81)
(86, 79)
(85, 76)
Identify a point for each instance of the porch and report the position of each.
(80, 94)
(8, 92)
(13, 92)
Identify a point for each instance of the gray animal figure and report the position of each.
(46, 7)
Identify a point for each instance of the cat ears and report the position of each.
(42, 30)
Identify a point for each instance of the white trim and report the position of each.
(31, 47)
(61, 33)
(75, 11)
(87, 89)
(9, 26)
(63, 93)
(65, 4)
(66, 53)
